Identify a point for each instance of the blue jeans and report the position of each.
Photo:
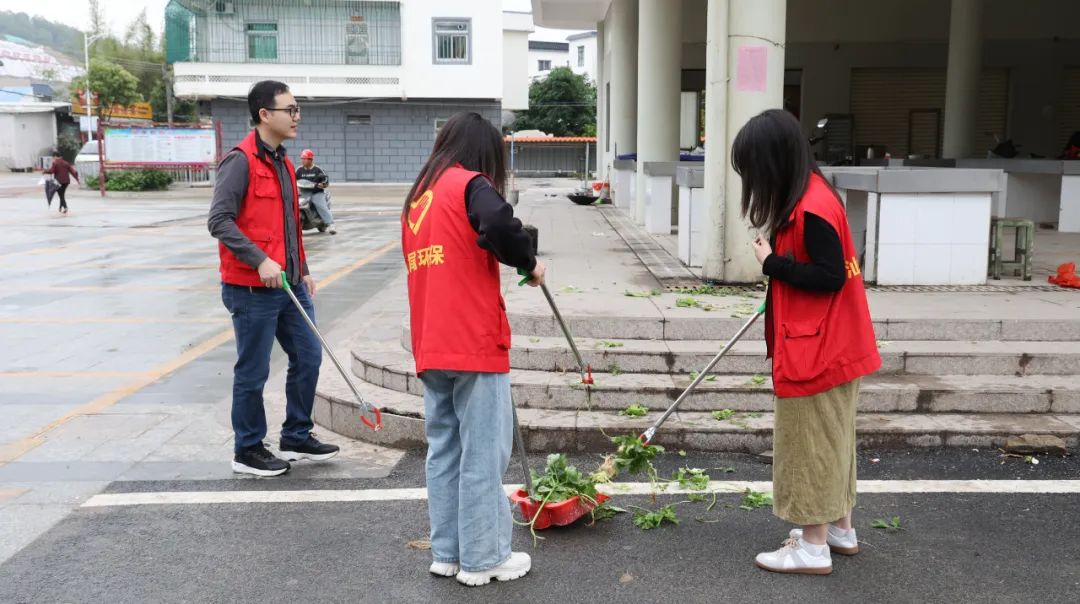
(320, 200)
(259, 316)
(469, 424)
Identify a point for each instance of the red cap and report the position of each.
(307, 154)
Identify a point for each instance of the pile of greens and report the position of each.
(560, 481)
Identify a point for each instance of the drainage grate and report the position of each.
(983, 289)
(667, 269)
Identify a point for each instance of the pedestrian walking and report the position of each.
(255, 215)
(456, 228)
(818, 333)
(63, 172)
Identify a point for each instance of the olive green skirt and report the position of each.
(814, 456)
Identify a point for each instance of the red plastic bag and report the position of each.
(1066, 276)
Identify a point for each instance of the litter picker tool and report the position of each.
(364, 405)
(648, 435)
(583, 369)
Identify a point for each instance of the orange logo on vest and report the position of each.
(424, 204)
(852, 267)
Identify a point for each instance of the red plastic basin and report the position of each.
(558, 514)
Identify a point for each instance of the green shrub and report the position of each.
(133, 180)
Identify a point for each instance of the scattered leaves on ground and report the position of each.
(634, 456)
(646, 520)
(647, 294)
(758, 380)
(753, 500)
(723, 414)
(608, 344)
(693, 479)
(419, 544)
(635, 410)
(891, 524)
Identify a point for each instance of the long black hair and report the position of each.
(773, 157)
(467, 139)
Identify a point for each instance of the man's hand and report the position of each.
(762, 249)
(309, 283)
(536, 277)
(270, 273)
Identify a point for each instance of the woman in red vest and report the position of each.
(455, 230)
(818, 333)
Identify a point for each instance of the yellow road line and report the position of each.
(352, 267)
(18, 448)
(105, 321)
(8, 494)
(71, 374)
(119, 287)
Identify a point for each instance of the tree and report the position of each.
(98, 24)
(562, 104)
(113, 85)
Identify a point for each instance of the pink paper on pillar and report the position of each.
(752, 64)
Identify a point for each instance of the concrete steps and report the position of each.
(389, 366)
(589, 431)
(915, 357)
(693, 324)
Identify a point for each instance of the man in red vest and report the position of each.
(255, 215)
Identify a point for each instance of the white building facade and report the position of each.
(375, 79)
(925, 78)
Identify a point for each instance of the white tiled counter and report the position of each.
(693, 216)
(920, 226)
(623, 187)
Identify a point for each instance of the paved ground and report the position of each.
(113, 374)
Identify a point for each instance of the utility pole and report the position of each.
(167, 78)
(87, 39)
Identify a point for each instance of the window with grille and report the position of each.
(581, 56)
(453, 40)
(262, 41)
(543, 65)
(439, 123)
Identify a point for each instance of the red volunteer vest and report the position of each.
(261, 216)
(819, 340)
(457, 312)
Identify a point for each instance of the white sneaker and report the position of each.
(515, 567)
(840, 541)
(794, 557)
(444, 569)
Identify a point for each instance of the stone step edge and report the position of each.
(722, 328)
(654, 356)
(880, 393)
(570, 431)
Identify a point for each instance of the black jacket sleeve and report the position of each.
(497, 229)
(825, 272)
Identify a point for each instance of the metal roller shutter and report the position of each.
(1070, 104)
(894, 107)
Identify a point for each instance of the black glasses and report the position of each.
(293, 110)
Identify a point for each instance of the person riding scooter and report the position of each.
(316, 193)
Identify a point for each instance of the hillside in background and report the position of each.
(42, 32)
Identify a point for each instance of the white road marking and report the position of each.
(1006, 487)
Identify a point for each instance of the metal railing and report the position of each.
(313, 32)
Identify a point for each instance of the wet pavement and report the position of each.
(115, 369)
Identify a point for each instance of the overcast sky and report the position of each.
(121, 12)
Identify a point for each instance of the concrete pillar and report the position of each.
(659, 83)
(962, 78)
(716, 150)
(601, 106)
(756, 38)
(688, 120)
(624, 44)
